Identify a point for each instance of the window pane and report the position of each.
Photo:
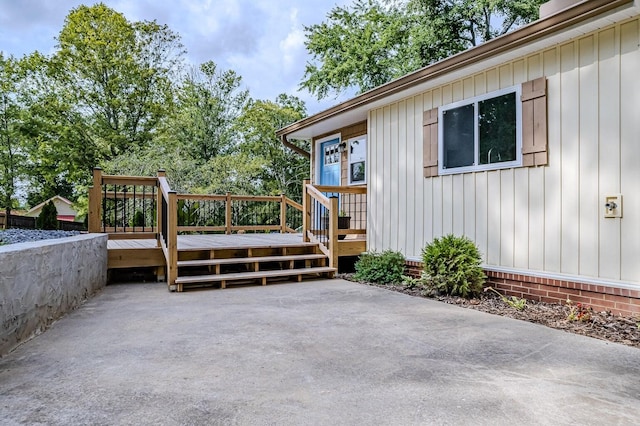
(331, 154)
(358, 150)
(357, 172)
(457, 139)
(497, 122)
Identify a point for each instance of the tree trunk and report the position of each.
(7, 218)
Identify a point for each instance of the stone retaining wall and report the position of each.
(41, 281)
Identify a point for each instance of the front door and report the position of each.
(329, 163)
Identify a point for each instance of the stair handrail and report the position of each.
(168, 226)
(320, 221)
(323, 221)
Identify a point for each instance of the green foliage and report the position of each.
(48, 218)
(138, 219)
(382, 268)
(579, 312)
(356, 46)
(188, 213)
(372, 42)
(282, 171)
(513, 301)
(116, 94)
(12, 134)
(116, 75)
(209, 104)
(452, 265)
(427, 289)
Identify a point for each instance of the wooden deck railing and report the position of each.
(133, 207)
(335, 217)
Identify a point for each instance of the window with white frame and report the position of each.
(357, 160)
(481, 133)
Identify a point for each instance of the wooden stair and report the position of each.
(251, 265)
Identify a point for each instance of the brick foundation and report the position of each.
(413, 269)
(601, 298)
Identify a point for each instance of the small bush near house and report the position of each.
(381, 268)
(452, 266)
(48, 218)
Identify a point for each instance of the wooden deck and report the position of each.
(271, 234)
(213, 241)
(220, 259)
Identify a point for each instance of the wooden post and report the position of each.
(333, 233)
(161, 173)
(306, 210)
(172, 238)
(283, 214)
(228, 214)
(95, 202)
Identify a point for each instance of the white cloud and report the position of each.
(292, 47)
(262, 41)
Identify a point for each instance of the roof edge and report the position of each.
(535, 30)
(55, 197)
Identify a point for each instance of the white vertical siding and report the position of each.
(630, 150)
(609, 153)
(521, 219)
(570, 157)
(588, 220)
(388, 185)
(395, 205)
(482, 212)
(552, 190)
(469, 226)
(507, 217)
(421, 228)
(542, 219)
(494, 219)
(410, 164)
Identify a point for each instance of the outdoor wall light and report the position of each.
(342, 146)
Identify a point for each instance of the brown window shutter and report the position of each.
(534, 123)
(430, 142)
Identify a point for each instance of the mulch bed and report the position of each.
(599, 325)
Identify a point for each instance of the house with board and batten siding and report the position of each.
(528, 144)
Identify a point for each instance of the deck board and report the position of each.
(204, 242)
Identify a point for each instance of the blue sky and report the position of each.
(262, 40)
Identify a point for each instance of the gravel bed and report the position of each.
(13, 236)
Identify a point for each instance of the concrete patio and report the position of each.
(318, 353)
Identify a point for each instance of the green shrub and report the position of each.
(452, 266)
(381, 268)
(138, 219)
(48, 218)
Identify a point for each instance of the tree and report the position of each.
(59, 148)
(356, 46)
(199, 137)
(209, 103)
(374, 41)
(117, 74)
(12, 149)
(48, 217)
(283, 172)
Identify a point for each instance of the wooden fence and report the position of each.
(26, 222)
